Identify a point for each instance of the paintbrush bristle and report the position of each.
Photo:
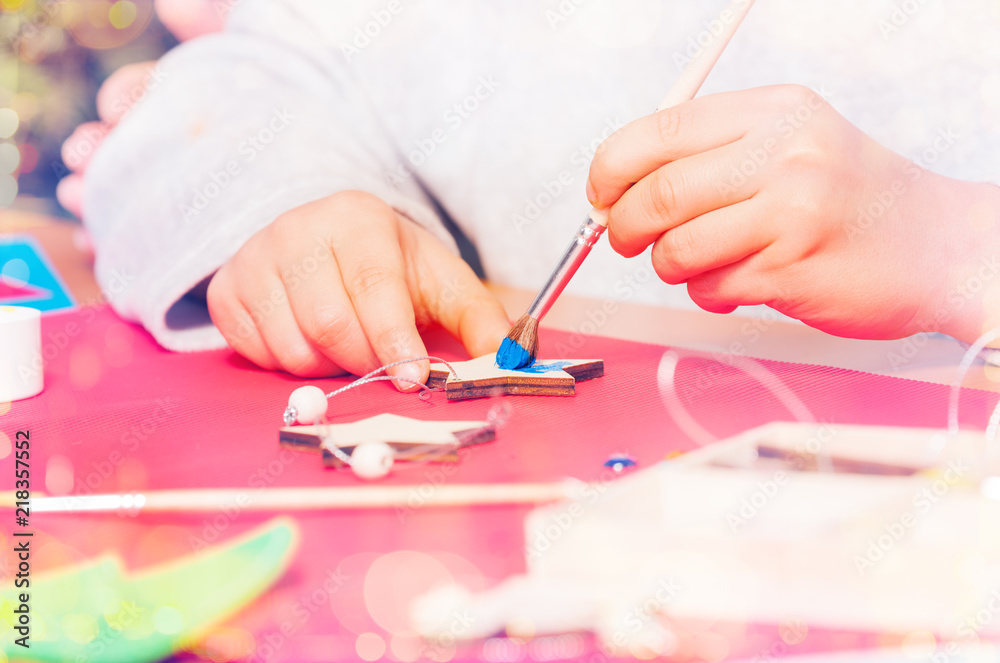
(520, 347)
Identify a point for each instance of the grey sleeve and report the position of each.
(236, 129)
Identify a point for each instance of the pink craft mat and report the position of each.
(128, 415)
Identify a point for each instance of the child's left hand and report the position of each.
(769, 196)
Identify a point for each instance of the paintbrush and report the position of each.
(520, 347)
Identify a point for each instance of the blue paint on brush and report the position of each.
(511, 356)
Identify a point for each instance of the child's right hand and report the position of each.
(341, 284)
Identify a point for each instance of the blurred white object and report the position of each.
(900, 536)
(21, 373)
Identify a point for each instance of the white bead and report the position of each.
(309, 403)
(372, 460)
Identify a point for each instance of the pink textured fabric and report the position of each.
(127, 415)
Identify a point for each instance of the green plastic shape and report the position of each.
(97, 612)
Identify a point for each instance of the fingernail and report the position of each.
(409, 372)
(591, 194)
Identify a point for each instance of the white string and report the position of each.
(368, 377)
(963, 370)
(667, 376)
(496, 417)
(938, 443)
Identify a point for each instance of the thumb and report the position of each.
(482, 323)
(456, 298)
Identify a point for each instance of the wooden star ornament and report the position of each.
(410, 439)
(481, 377)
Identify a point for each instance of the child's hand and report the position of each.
(341, 284)
(769, 196)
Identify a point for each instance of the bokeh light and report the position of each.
(406, 647)
(919, 645)
(712, 647)
(395, 580)
(29, 158)
(10, 158)
(8, 190)
(15, 273)
(106, 24)
(369, 646)
(122, 14)
(59, 476)
(84, 367)
(168, 620)
(227, 643)
(9, 122)
(118, 345)
(5, 445)
(81, 628)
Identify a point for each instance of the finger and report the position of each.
(122, 90)
(69, 193)
(235, 323)
(453, 295)
(267, 301)
(713, 240)
(79, 148)
(678, 192)
(188, 19)
(372, 267)
(325, 314)
(648, 143)
(738, 284)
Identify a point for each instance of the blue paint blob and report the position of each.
(511, 356)
(544, 367)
